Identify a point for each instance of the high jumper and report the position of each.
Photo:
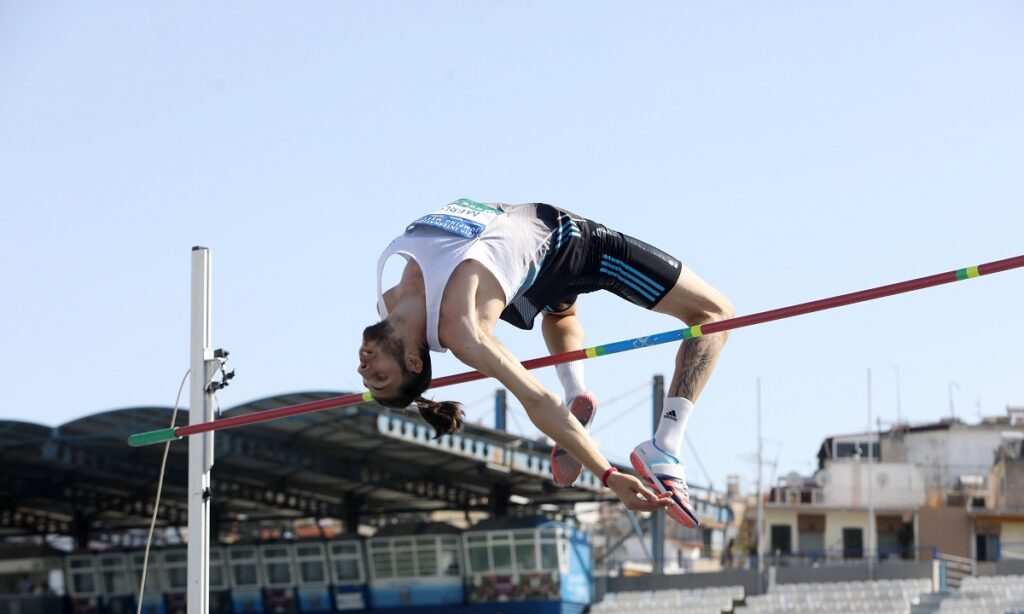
(470, 264)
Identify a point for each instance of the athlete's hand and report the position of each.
(635, 495)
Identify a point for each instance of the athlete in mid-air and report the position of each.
(470, 264)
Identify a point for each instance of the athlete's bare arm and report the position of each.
(472, 303)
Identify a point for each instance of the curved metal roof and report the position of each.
(362, 462)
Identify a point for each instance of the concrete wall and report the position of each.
(895, 485)
(997, 494)
(946, 455)
(835, 522)
(777, 517)
(1014, 486)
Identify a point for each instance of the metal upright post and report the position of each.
(658, 519)
(200, 449)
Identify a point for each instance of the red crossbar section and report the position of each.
(857, 297)
(545, 361)
(356, 398)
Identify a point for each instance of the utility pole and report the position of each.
(872, 533)
(658, 518)
(760, 496)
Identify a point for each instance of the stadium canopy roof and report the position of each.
(364, 463)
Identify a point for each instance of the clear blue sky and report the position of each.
(784, 151)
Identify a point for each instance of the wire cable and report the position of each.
(159, 491)
(696, 456)
(622, 414)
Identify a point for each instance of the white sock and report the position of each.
(672, 426)
(571, 376)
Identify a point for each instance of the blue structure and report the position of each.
(416, 568)
(501, 565)
(527, 564)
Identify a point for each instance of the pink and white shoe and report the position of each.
(564, 468)
(665, 473)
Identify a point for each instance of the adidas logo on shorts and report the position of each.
(671, 415)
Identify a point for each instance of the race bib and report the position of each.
(463, 217)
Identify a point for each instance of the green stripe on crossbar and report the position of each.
(151, 437)
(693, 331)
(969, 272)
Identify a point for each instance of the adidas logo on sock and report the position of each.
(670, 414)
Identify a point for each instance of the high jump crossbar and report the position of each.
(169, 434)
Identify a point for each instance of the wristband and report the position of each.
(604, 478)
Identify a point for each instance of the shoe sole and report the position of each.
(565, 469)
(679, 511)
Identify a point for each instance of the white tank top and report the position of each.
(511, 246)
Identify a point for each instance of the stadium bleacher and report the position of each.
(881, 596)
(986, 594)
(711, 600)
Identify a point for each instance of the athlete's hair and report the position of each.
(444, 416)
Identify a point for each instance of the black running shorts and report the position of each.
(584, 256)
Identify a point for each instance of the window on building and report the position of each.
(405, 566)
(549, 556)
(987, 547)
(426, 556)
(382, 560)
(448, 563)
(479, 560)
(501, 549)
(526, 551)
(243, 567)
(346, 561)
(176, 567)
(782, 538)
(849, 449)
(853, 542)
(218, 580)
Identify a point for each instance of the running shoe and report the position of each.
(665, 473)
(564, 468)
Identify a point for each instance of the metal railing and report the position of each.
(848, 556)
(954, 569)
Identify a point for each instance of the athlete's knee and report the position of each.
(716, 309)
(723, 310)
